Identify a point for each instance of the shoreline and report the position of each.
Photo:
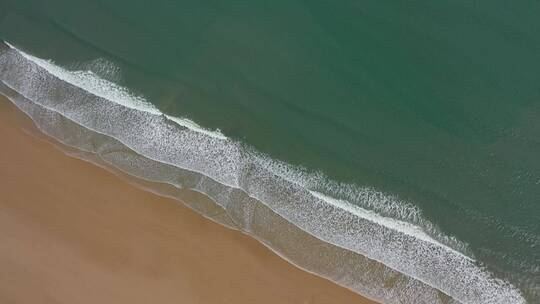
(117, 243)
(383, 258)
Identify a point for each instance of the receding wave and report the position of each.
(363, 239)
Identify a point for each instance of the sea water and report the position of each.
(392, 148)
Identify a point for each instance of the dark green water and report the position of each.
(436, 102)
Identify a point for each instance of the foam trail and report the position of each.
(106, 109)
(348, 269)
(113, 93)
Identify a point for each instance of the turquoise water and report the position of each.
(432, 106)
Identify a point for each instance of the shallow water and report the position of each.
(408, 134)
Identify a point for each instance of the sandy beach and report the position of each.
(71, 232)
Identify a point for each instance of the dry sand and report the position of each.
(71, 232)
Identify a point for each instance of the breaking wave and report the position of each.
(363, 239)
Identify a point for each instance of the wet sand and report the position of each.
(71, 232)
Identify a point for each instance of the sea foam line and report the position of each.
(94, 85)
(120, 95)
(112, 92)
(385, 221)
(411, 290)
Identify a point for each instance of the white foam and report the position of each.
(397, 243)
(190, 124)
(394, 224)
(110, 91)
